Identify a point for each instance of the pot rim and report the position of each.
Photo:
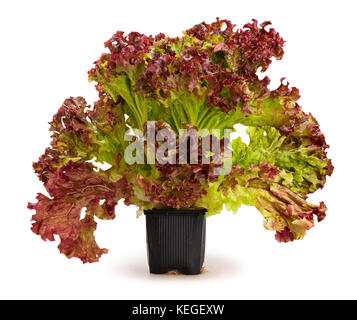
(173, 211)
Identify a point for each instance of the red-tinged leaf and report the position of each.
(285, 211)
(63, 218)
(75, 187)
(284, 236)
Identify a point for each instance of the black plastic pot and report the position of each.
(176, 239)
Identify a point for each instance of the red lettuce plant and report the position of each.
(206, 79)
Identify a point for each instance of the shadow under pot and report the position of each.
(176, 240)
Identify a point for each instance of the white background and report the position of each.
(46, 48)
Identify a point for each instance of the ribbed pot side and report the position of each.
(176, 240)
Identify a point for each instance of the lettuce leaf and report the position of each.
(267, 188)
(74, 187)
